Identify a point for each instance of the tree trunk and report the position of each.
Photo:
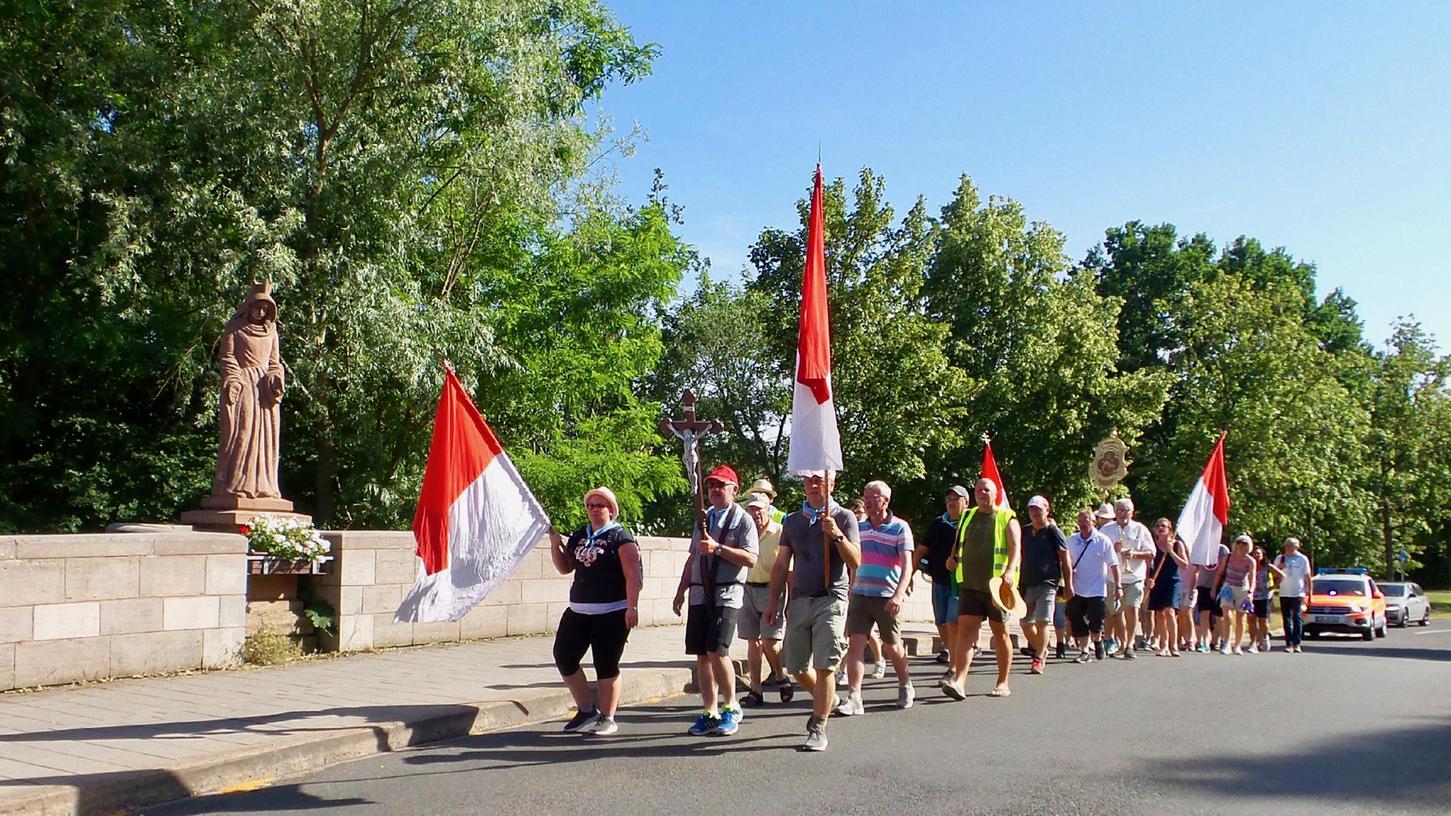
(327, 473)
(1390, 552)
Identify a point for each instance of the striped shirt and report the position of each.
(882, 551)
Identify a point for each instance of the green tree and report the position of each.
(378, 162)
(1040, 345)
(1409, 467)
(1249, 364)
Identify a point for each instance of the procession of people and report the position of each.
(813, 592)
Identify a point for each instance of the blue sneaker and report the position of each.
(704, 724)
(730, 721)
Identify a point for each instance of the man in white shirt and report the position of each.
(1134, 545)
(1094, 577)
(1292, 569)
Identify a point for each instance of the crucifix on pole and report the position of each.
(690, 431)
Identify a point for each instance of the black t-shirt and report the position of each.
(599, 577)
(940, 538)
(1040, 555)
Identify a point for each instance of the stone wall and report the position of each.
(87, 607)
(375, 569)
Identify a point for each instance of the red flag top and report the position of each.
(813, 347)
(1216, 482)
(463, 446)
(990, 472)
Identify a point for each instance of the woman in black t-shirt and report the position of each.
(603, 608)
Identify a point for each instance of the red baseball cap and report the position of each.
(723, 474)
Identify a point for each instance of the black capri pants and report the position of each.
(604, 635)
(1085, 615)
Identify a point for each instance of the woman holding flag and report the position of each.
(603, 608)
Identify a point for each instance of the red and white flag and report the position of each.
(1202, 523)
(815, 442)
(990, 471)
(476, 519)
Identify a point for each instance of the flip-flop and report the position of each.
(1000, 691)
(786, 690)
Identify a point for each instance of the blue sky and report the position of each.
(1324, 128)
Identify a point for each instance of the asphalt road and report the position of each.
(1347, 727)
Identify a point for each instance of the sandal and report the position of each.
(1000, 691)
(786, 690)
(751, 699)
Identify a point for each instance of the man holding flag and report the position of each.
(821, 539)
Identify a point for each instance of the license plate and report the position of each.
(1327, 619)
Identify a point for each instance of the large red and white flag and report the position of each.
(815, 442)
(476, 519)
(1201, 525)
(990, 471)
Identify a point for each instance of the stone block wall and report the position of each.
(374, 569)
(87, 607)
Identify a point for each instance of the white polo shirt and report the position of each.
(1136, 539)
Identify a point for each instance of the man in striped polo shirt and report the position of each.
(876, 596)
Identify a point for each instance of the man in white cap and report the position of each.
(1045, 562)
(931, 557)
(1135, 547)
(818, 543)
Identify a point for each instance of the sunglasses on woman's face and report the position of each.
(597, 506)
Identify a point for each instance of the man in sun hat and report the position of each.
(763, 639)
(1045, 562)
(715, 575)
(763, 487)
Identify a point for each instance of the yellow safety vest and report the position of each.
(1000, 540)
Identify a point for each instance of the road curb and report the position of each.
(255, 766)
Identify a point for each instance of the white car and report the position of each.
(1406, 602)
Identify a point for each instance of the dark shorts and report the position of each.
(1204, 601)
(710, 629)
(1262, 608)
(979, 605)
(604, 634)
(1085, 615)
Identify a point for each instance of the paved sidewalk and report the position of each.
(130, 743)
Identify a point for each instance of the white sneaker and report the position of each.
(880, 670)
(851, 704)
(841, 677)
(1253, 648)
(905, 696)
(1238, 650)
(1224, 650)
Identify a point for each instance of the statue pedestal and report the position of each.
(228, 514)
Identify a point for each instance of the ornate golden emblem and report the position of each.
(1110, 461)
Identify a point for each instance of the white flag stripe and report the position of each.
(815, 441)
(1199, 527)
(493, 525)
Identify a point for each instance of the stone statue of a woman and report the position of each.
(250, 408)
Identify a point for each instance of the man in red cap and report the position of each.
(714, 575)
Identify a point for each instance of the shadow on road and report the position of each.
(1355, 768)
(1368, 650)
